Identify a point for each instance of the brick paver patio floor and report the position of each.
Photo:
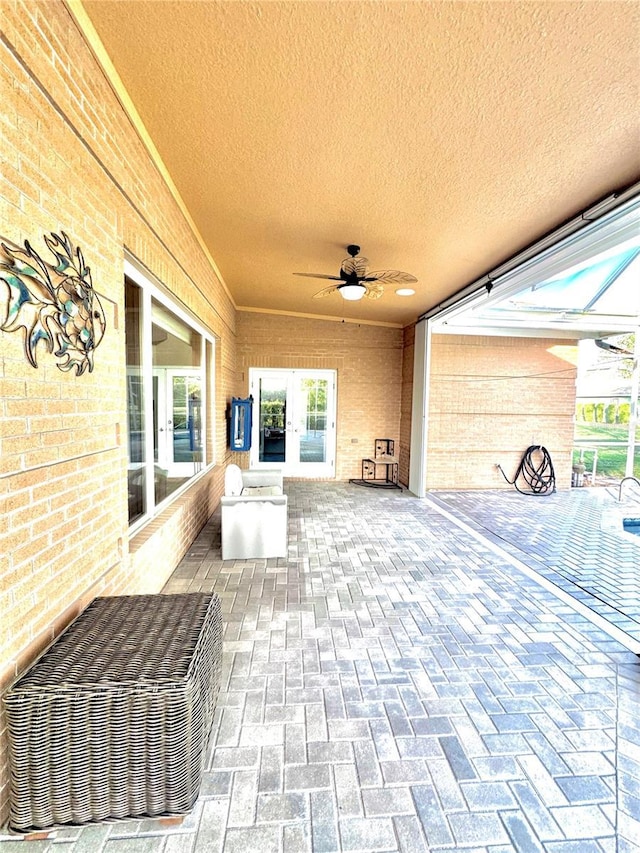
(398, 684)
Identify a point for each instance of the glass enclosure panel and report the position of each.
(587, 288)
(272, 424)
(136, 472)
(607, 435)
(312, 406)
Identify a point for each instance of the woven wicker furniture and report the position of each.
(114, 719)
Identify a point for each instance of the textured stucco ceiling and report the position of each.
(440, 136)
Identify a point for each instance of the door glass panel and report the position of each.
(272, 422)
(312, 398)
(180, 437)
(177, 356)
(160, 472)
(156, 426)
(294, 421)
(187, 426)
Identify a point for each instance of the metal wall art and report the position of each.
(52, 302)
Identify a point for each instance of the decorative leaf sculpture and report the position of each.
(52, 302)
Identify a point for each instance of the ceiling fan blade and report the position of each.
(391, 276)
(355, 266)
(374, 291)
(318, 275)
(326, 291)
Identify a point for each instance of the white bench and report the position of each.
(253, 514)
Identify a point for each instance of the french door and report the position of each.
(294, 421)
(177, 414)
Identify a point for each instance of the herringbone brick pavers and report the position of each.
(574, 539)
(396, 685)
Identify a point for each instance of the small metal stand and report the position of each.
(383, 459)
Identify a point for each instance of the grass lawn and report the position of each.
(611, 460)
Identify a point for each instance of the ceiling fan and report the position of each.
(355, 279)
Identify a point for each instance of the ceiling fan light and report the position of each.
(352, 292)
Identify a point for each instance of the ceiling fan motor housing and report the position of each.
(353, 269)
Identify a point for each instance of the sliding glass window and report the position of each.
(169, 392)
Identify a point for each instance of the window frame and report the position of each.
(151, 290)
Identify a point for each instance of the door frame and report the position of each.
(164, 419)
(292, 466)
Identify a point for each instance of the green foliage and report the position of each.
(599, 413)
(597, 433)
(316, 390)
(624, 413)
(610, 413)
(612, 462)
(272, 413)
(589, 412)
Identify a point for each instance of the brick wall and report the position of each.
(490, 398)
(368, 361)
(71, 160)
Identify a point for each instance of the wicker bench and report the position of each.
(114, 719)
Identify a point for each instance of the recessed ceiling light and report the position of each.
(405, 291)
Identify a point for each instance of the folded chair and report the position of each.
(253, 513)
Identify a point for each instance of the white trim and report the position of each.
(634, 419)
(292, 466)
(147, 385)
(151, 290)
(420, 409)
(551, 329)
(145, 280)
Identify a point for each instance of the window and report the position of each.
(169, 395)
